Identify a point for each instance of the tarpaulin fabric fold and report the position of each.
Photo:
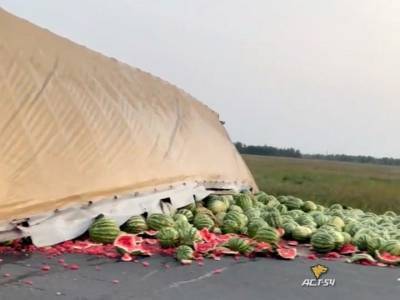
(76, 125)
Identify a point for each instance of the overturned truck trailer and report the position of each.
(82, 134)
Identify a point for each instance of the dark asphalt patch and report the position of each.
(165, 279)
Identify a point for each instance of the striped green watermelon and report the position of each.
(295, 213)
(291, 202)
(392, 247)
(360, 240)
(230, 226)
(282, 208)
(181, 222)
(254, 225)
(323, 241)
(268, 210)
(203, 221)
(135, 224)
(374, 243)
(261, 197)
(390, 214)
(180, 218)
(235, 208)
(228, 200)
(188, 236)
(187, 233)
(320, 218)
(302, 233)
(244, 230)
(267, 234)
(273, 219)
(204, 211)
(158, 221)
(396, 236)
(368, 222)
(104, 230)
(252, 213)
(286, 218)
(336, 213)
(243, 200)
(336, 206)
(187, 213)
(184, 254)
(339, 239)
(216, 205)
(289, 227)
(337, 222)
(237, 217)
(347, 237)
(306, 220)
(272, 202)
(240, 245)
(352, 227)
(168, 237)
(327, 227)
(219, 218)
(259, 205)
(309, 206)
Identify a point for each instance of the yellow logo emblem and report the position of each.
(319, 270)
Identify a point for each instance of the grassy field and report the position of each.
(369, 187)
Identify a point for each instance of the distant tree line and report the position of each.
(291, 152)
(267, 150)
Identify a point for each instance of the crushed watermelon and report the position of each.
(287, 253)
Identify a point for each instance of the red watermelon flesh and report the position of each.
(223, 238)
(387, 258)
(204, 247)
(348, 249)
(206, 235)
(127, 243)
(126, 257)
(263, 247)
(287, 253)
(332, 255)
(312, 257)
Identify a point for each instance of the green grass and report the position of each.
(369, 187)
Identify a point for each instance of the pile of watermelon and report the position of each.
(260, 224)
(245, 224)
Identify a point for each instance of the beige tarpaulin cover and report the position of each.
(75, 125)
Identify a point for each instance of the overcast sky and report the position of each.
(321, 76)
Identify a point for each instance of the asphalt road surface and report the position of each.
(163, 278)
